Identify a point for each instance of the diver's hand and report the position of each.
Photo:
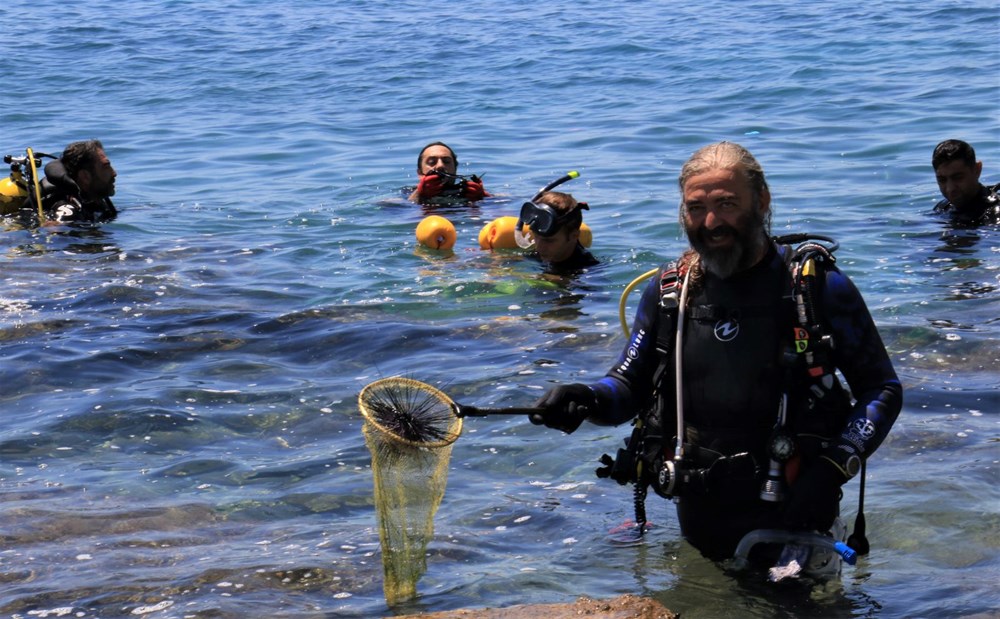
(430, 185)
(566, 406)
(472, 189)
(814, 500)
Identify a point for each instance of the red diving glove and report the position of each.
(430, 185)
(472, 189)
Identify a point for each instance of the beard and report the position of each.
(749, 241)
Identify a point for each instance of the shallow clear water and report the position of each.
(180, 434)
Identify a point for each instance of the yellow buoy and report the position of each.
(586, 236)
(436, 232)
(499, 234)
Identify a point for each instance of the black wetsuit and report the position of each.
(985, 210)
(735, 334)
(69, 209)
(580, 259)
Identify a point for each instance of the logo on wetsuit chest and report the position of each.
(727, 330)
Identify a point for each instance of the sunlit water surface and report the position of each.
(180, 435)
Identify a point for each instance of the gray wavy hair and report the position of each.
(725, 156)
(720, 156)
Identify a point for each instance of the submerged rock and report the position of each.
(622, 607)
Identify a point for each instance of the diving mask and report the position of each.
(544, 220)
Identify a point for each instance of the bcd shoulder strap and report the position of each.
(810, 340)
(670, 278)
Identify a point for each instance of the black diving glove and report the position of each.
(566, 406)
(814, 500)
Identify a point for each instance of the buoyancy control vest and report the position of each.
(795, 416)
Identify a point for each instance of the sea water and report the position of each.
(179, 433)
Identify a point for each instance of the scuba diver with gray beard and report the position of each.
(729, 372)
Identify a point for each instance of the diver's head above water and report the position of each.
(554, 219)
(440, 182)
(437, 157)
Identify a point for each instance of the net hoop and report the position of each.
(386, 385)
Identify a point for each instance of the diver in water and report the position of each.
(78, 186)
(753, 392)
(440, 183)
(966, 200)
(555, 219)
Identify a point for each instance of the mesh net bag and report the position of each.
(409, 429)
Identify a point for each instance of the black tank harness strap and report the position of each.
(811, 344)
(670, 289)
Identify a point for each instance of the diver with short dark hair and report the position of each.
(966, 200)
(555, 220)
(440, 183)
(78, 186)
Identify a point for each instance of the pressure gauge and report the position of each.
(782, 446)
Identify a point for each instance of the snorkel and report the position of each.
(559, 181)
(525, 241)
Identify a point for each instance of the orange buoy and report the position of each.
(499, 234)
(436, 232)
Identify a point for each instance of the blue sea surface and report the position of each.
(179, 429)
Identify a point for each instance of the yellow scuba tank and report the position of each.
(22, 182)
(13, 190)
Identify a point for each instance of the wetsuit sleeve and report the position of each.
(861, 357)
(628, 385)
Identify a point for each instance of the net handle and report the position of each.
(472, 411)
